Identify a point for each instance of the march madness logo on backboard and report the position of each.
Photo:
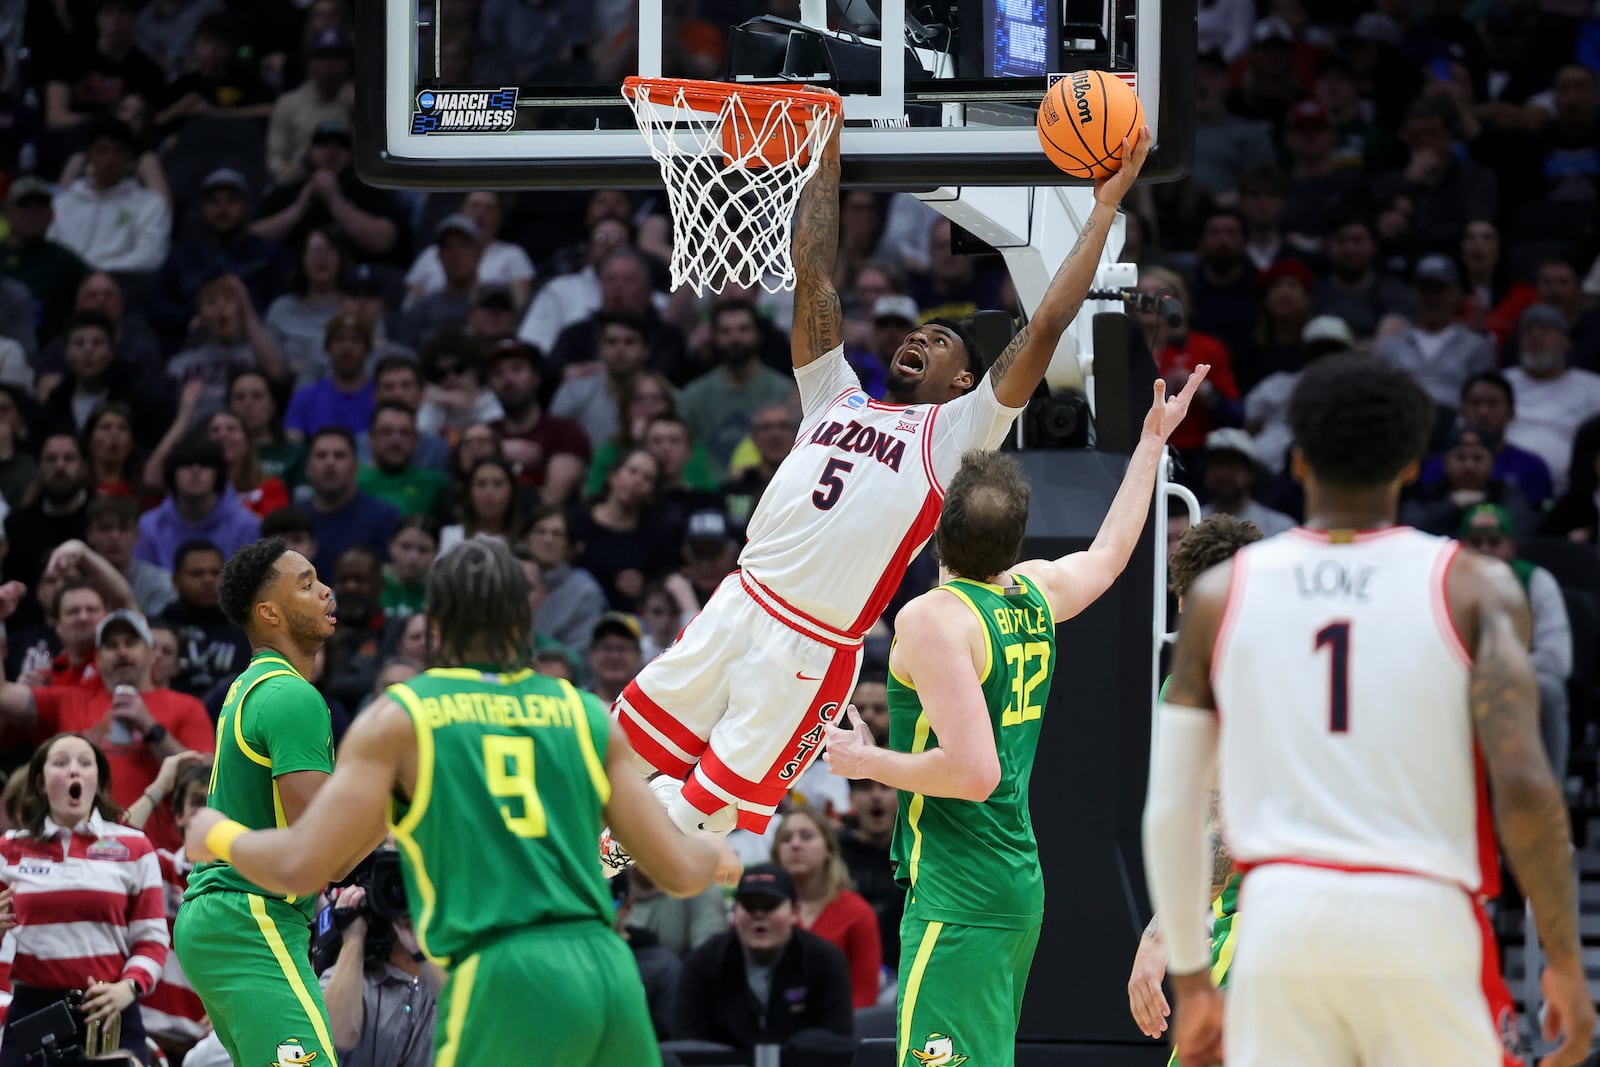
(465, 111)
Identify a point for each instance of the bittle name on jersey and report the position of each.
(886, 448)
(1333, 581)
(465, 111)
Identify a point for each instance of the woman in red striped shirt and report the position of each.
(89, 909)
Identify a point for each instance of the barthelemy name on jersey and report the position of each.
(465, 111)
(1330, 580)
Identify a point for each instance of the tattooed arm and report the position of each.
(1021, 366)
(1528, 806)
(818, 318)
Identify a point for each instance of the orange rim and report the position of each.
(710, 96)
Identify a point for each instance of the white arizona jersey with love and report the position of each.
(860, 493)
(1347, 738)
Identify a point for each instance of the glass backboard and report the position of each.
(526, 93)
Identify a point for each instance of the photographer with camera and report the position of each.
(381, 992)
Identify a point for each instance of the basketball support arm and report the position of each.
(1034, 229)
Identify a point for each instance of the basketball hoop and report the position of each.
(734, 159)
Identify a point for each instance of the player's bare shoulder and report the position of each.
(936, 623)
(1480, 587)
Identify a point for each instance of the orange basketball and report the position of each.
(1083, 120)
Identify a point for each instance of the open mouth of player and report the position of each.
(332, 614)
(912, 361)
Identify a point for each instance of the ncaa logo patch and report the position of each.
(465, 111)
(855, 400)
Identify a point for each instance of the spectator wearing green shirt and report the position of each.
(720, 406)
(412, 550)
(393, 474)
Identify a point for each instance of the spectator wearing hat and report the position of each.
(1226, 144)
(1442, 193)
(1266, 407)
(231, 340)
(155, 722)
(1556, 283)
(1285, 294)
(764, 981)
(224, 246)
(1487, 400)
(494, 313)
(458, 246)
(1319, 181)
(1231, 466)
(111, 221)
(1354, 289)
(614, 654)
(1552, 398)
(1489, 529)
(342, 515)
(1271, 74)
(85, 82)
(327, 192)
(1468, 461)
(592, 400)
(501, 264)
(362, 293)
(326, 96)
(200, 506)
(345, 398)
(1438, 350)
(710, 553)
(547, 452)
(51, 271)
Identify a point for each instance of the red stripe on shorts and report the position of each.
(634, 704)
(1502, 1009)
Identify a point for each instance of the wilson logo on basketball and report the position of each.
(1080, 99)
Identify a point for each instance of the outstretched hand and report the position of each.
(1165, 414)
(1135, 150)
(847, 752)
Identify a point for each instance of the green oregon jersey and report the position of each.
(273, 722)
(978, 863)
(503, 827)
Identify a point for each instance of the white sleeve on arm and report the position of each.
(823, 379)
(1177, 855)
(976, 420)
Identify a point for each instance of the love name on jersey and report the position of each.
(851, 436)
(1330, 580)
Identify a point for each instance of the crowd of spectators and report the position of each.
(211, 330)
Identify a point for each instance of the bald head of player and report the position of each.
(477, 607)
(1361, 427)
(938, 361)
(272, 593)
(985, 517)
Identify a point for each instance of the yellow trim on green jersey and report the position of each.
(892, 673)
(405, 828)
(591, 758)
(291, 973)
(238, 725)
(988, 646)
(908, 1011)
(919, 742)
(456, 1017)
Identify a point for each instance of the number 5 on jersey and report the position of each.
(831, 484)
(508, 770)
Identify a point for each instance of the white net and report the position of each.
(734, 160)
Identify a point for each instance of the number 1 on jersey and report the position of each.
(508, 767)
(1336, 637)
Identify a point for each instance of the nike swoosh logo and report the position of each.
(807, 677)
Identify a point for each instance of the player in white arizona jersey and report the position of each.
(736, 708)
(1345, 678)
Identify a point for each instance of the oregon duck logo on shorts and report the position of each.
(293, 1054)
(940, 1051)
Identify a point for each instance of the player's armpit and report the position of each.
(818, 315)
(343, 815)
(1190, 683)
(1528, 806)
(679, 864)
